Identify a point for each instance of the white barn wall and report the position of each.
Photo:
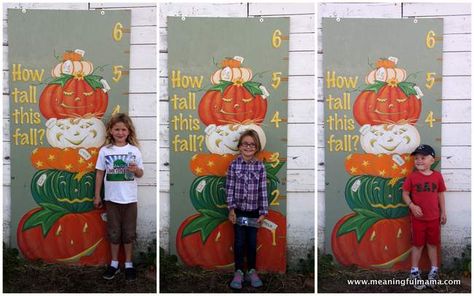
(456, 108)
(301, 113)
(142, 106)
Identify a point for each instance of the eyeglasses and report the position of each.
(247, 145)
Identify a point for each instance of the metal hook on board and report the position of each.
(183, 18)
(415, 21)
(261, 19)
(23, 10)
(102, 12)
(338, 19)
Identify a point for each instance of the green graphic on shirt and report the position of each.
(117, 168)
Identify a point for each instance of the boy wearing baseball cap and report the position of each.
(423, 192)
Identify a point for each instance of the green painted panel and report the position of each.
(58, 103)
(213, 98)
(382, 98)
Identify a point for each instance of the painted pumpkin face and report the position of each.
(388, 105)
(75, 132)
(234, 105)
(223, 139)
(385, 244)
(389, 138)
(74, 238)
(76, 99)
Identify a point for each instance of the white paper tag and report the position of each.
(84, 154)
(355, 186)
(419, 94)
(80, 51)
(269, 225)
(264, 91)
(41, 180)
(201, 186)
(105, 85)
(393, 59)
(238, 58)
(398, 159)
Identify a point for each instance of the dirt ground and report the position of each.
(336, 282)
(194, 280)
(36, 277)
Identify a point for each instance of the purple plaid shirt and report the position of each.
(246, 186)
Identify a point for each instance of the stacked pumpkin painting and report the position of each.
(232, 105)
(377, 235)
(65, 227)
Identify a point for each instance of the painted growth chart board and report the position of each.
(225, 75)
(382, 98)
(68, 71)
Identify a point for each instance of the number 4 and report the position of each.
(276, 119)
(430, 119)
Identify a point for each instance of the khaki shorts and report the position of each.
(121, 222)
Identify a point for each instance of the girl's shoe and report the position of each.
(253, 278)
(237, 280)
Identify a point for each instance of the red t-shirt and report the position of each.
(424, 192)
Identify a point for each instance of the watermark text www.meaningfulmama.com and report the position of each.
(403, 282)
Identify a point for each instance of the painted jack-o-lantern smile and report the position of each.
(76, 99)
(75, 132)
(387, 105)
(234, 105)
(389, 138)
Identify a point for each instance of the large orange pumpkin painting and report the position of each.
(389, 104)
(208, 242)
(75, 92)
(388, 98)
(375, 244)
(234, 104)
(53, 235)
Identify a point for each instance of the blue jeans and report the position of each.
(245, 236)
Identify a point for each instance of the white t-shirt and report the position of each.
(120, 186)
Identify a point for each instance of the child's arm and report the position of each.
(99, 177)
(442, 207)
(230, 188)
(416, 210)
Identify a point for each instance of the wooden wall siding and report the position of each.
(456, 105)
(142, 105)
(301, 112)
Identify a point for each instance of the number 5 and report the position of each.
(276, 78)
(430, 79)
(117, 73)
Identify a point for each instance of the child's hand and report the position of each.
(232, 217)
(133, 167)
(97, 202)
(260, 219)
(416, 210)
(443, 218)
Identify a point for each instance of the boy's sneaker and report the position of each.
(253, 278)
(130, 274)
(237, 280)
(419, 285)
(432, 278)
(110, 272)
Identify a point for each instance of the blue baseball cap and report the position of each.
(424, 150)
